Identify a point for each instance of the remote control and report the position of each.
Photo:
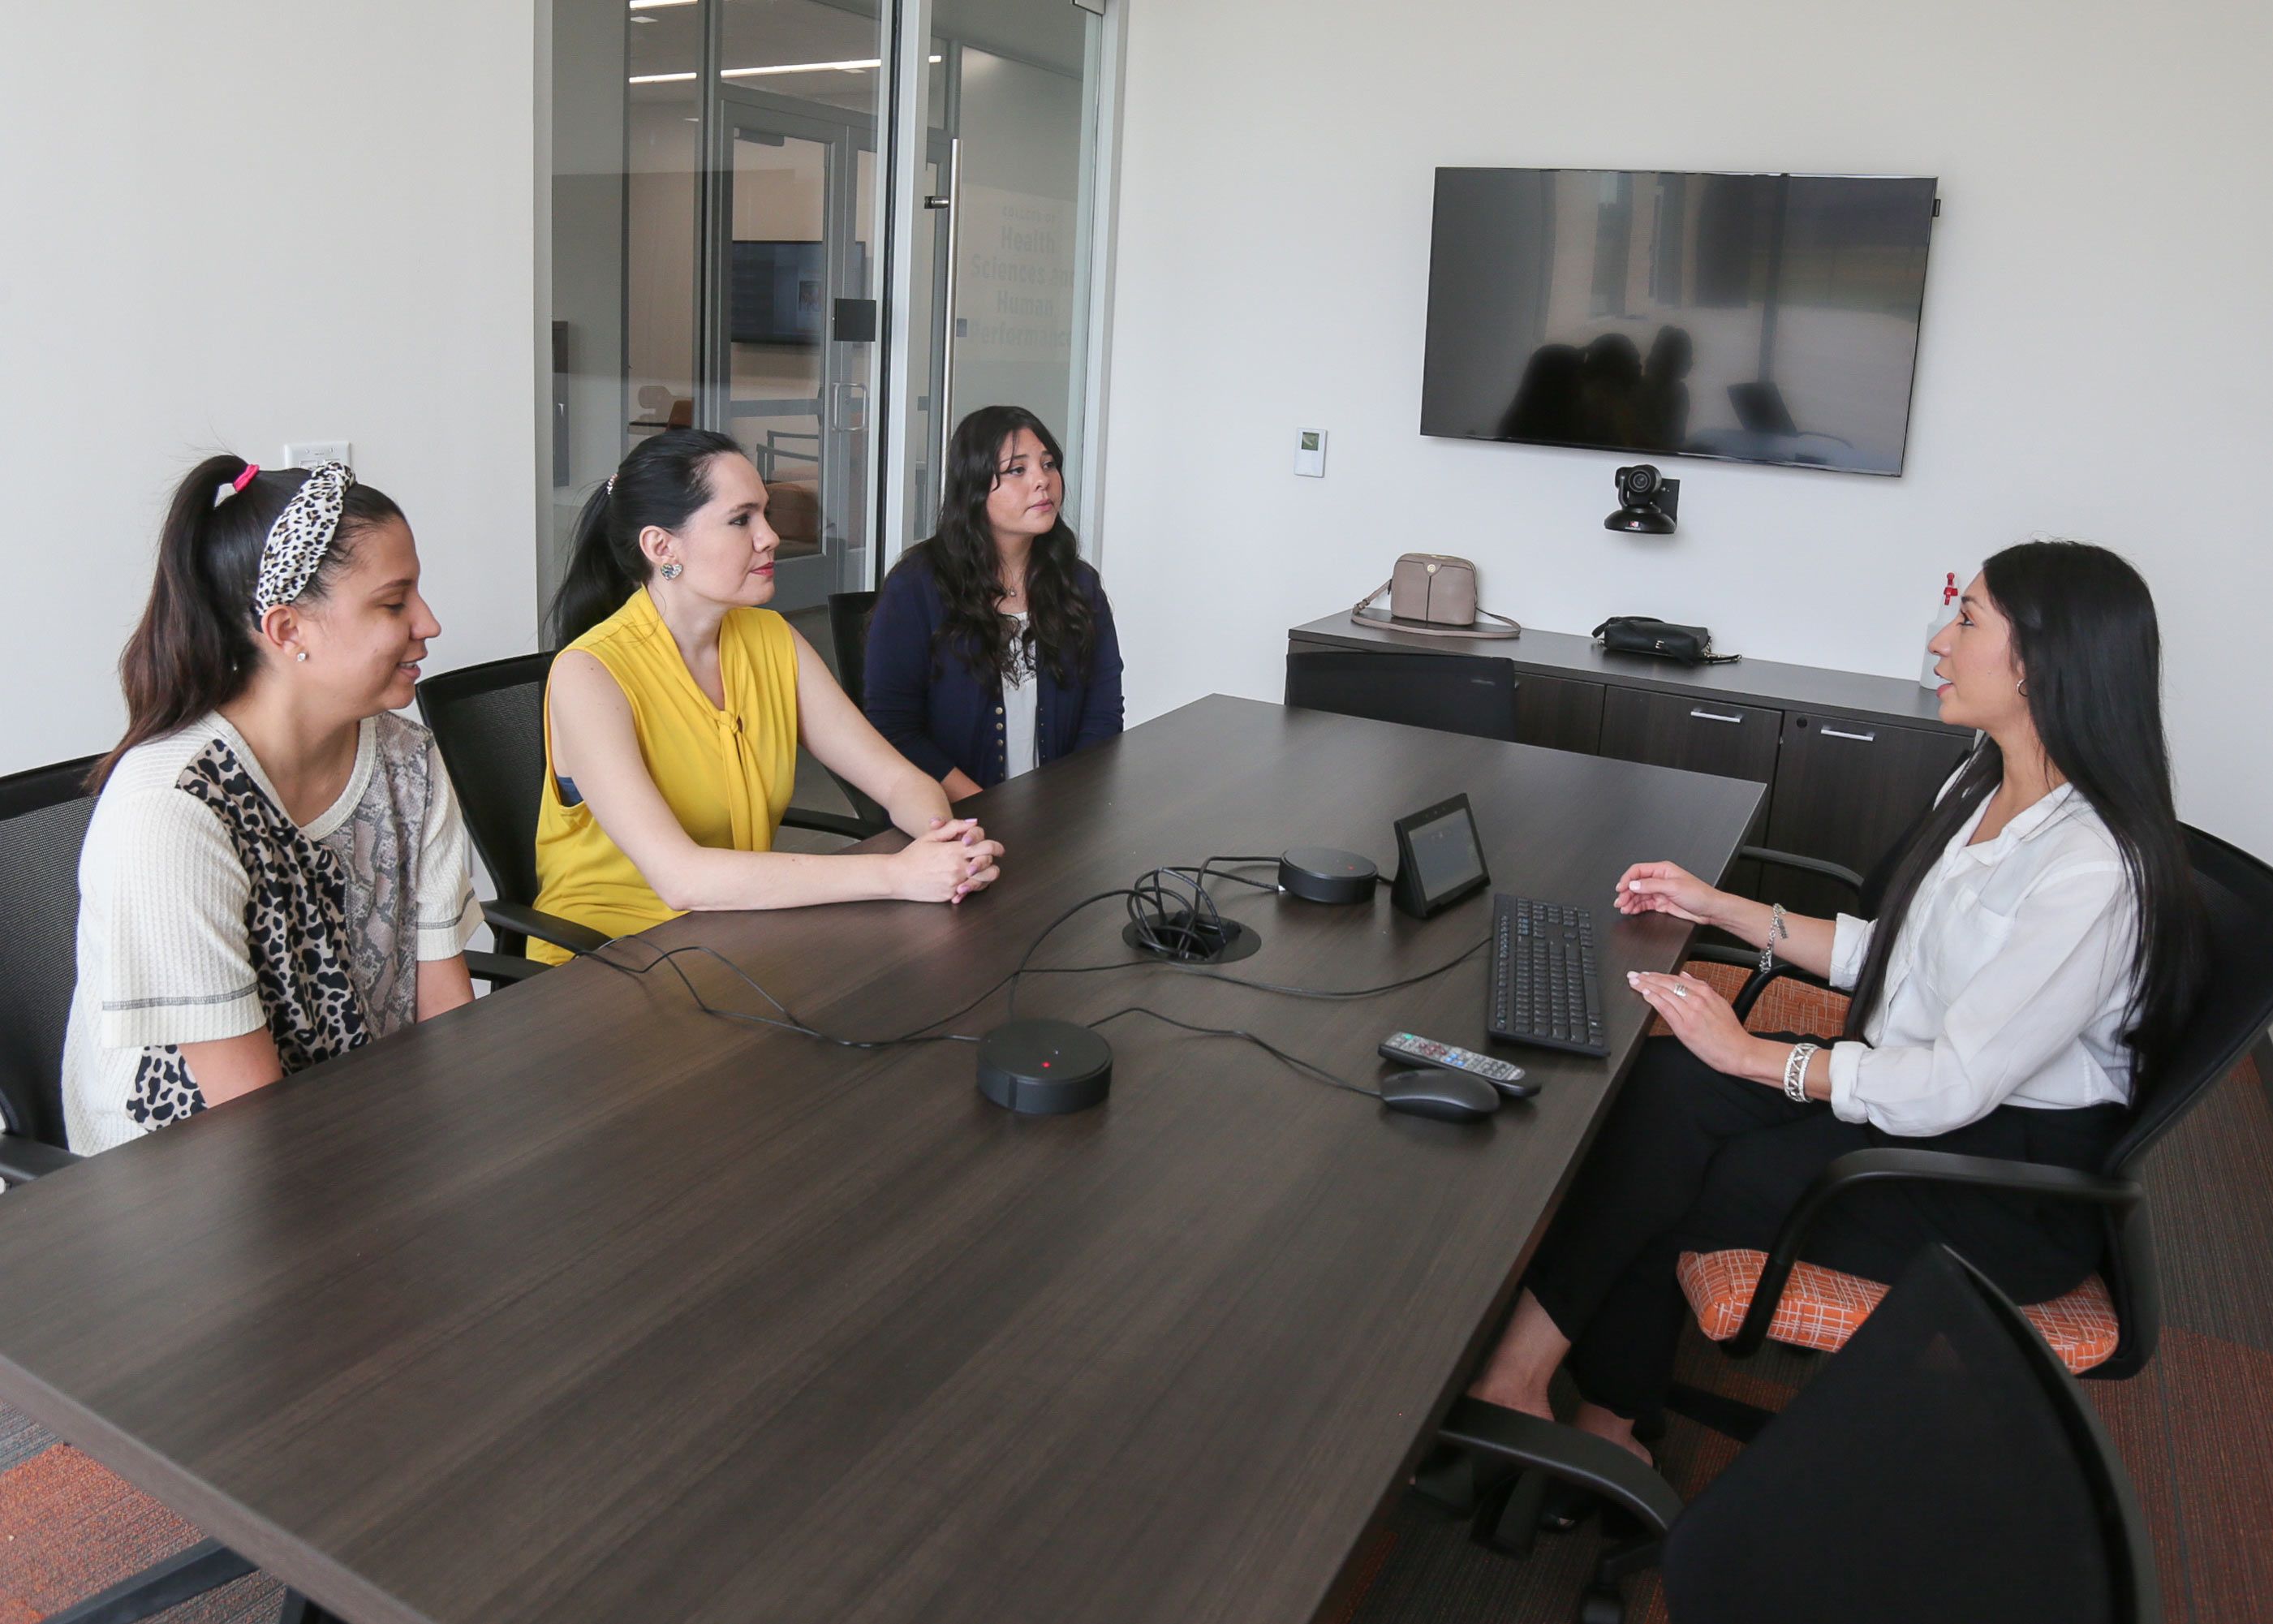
(1414, 1050)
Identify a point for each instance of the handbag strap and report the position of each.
(1382, 617)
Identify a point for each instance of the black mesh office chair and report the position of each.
(1944, 1465)
(1453, 692)
(848, 634)
(488, 721)
(43, 815)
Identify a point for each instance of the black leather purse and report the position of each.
(1638, 634)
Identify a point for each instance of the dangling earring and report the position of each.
(2021, 688)
(670, 572)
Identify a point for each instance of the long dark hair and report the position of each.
(2084, 630)
(1060, 624)
(195, 648)
(664, 481)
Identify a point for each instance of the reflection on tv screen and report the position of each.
(1766, 318)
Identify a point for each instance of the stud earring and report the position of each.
(670, 572)
(302, 657)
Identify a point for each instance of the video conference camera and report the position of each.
(1648, 502)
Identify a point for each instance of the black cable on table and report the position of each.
(1267, 1047)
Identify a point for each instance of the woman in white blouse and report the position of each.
(2037, 947)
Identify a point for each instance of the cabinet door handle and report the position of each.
(1715, 716)
(1833, 732)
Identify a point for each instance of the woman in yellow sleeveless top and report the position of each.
(673, 716)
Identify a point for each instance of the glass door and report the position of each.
(1003, 271)
(792, 326)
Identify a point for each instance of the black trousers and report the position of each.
(1692, 1160)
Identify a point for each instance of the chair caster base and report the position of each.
(1507, 1516)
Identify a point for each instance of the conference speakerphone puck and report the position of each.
(1321, 874)
(1044, 1068)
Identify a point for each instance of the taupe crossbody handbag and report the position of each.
(1435, 593)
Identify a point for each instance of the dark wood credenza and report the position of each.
(1851, 759)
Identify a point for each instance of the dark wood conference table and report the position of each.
(579, 1305)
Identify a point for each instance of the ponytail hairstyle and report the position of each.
(1061, 623)
(663, 482)
(198, 644)
(2084, 630)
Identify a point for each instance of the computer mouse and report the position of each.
(1448, 1096)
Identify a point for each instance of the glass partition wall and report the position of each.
(782, 219)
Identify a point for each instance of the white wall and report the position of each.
(230, 224)
(2096, 360)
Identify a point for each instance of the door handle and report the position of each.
(953, 203)
(1833, 732)
(1715, 716)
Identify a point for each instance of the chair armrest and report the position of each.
(1881, 1165)
(1840, 872)
(501, 969)
(832, 823)
(1714, 952)
(552, 927)
(1745, 959)
(1564, 1452)
(23, 1159)
(1749, 994)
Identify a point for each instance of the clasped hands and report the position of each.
(949, 860)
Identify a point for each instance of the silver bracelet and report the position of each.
(1794, 1072)
(1777, 927)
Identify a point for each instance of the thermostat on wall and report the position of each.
(1310, 453)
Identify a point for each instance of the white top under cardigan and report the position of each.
(2010, 981)
(1022, 698)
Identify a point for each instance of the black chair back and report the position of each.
(2235, 1009)
(1453, 692)
(489, 723)
(1943, 1465)
(848, 631)
(2236, 1005)
(43, 815)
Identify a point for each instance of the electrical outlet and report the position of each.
(308, 453)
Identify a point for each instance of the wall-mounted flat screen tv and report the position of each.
(777, 293)
(1762, 318)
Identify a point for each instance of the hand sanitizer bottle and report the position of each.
(1942, 615)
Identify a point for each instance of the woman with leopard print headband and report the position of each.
(275, 871)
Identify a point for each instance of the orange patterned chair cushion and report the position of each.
(1786, 1006)
(1821, 1308)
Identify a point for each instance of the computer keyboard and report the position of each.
(1541, 989)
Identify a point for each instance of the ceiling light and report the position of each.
(751, 74)
(800, 67)
(651, 6)
(786, 67)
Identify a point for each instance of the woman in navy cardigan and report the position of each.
(990, 650)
